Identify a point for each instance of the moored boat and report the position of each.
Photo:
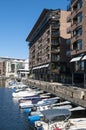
(43, 102)
(62, 104)
(50, 118)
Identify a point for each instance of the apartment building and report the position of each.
(49, 46)
(78, 41)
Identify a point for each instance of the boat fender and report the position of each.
(27, 110)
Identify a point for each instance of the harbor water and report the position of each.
(14, 118)
(11, 117)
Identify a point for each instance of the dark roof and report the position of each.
(37, 23)
(42, 15)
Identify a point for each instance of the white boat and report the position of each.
(76, 124)
(53, 122)
(48, 106)
(38, 112)
(78, 108)
(43, 102)
(53, 118)
(24, 93)
(16, 85)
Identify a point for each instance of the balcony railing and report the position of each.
(69, 30)
(69, 18)
(55, 59)
(55, 71)
(55, 50)
(55, 43)
(55, 34)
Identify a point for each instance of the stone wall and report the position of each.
(74, 94)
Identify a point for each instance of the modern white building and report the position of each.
(24, 72)
(17, 68)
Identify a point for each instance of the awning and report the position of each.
(42, 66)
(84, 58)
(75, 59)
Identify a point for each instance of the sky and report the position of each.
(17, 18)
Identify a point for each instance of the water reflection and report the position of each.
(2, 82)
(11, 117)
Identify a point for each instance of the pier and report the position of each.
(71, 93)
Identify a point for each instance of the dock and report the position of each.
(73, 94)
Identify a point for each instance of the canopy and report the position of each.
(84, 58)
(75, 59)
(42, 66)
(51, 114)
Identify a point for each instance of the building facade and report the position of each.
(78, 41)
(16, 68)
(49, 47)
(2, 68)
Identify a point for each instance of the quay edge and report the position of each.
(71, 93)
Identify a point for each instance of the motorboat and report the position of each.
(49, 118)
(43, 102)
(35, 113)
(63, 104)
(53, 122)
(76, 124)
(24, 93)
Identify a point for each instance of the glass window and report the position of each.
(68, 41)
(79, 4)
(77, 31)
(82, 65)
(79, 17)
(12, 67)
(68, 53)
(79, 44)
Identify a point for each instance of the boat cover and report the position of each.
(32, 119)
(51, 114)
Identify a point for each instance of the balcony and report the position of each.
(55, 25)
(77, 6)
(53, 50)
(69, 30)
(53, 43)
(57, 71)
(55, 58)
(69, 18)
(55, 34)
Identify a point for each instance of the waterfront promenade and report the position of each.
(71, 93)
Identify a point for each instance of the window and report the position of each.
(79, 4)
(68, 53)
(12, 67)
(68, 41)
(55, 41)
(77, 31)
(79, 17)
(82, 65)
(77, 45)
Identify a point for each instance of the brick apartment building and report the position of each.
(78, 41)
(49, 46)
